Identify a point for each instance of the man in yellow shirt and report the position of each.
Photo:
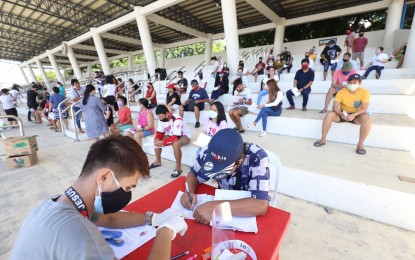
(350, 105)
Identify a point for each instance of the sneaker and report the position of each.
(304, 109)
(377, 76)
(290, 107)
(197, 125)
(262, 134)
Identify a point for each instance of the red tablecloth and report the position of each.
(266, 243)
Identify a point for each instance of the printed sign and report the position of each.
(326, 41)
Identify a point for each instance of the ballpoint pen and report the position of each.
(188, 193)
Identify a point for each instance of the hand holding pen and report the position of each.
(188, 200)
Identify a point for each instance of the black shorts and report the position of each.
(342, 120)
(190, 107)
(11, 112)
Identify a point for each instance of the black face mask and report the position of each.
(361, 35)
(115, 201)
(344, 60)
(306, 56)
(164, 120)
(239, 90)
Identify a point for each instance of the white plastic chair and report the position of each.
(274, 171)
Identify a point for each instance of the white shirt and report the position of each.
(215, 65)
(377, 58)
(310, 63)
(14, 93)
(7, 101)
(110, 90)
(266, 78)
(76, 93)
(175, 127)
(280, 96)
(201, 82)
(245, 94)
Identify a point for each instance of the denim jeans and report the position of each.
(78, 116)
(327, 65)
(305, 94)
(372, 68)
(260, 95)
(266, 112)
(217, 93)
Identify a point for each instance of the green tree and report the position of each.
(51, 75)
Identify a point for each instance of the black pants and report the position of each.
(111, 101)
(29, 114)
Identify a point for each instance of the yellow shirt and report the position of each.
(313, 57)
(352, 102)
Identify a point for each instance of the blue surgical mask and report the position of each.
(220, 75)
(331, 45)
(345, 72)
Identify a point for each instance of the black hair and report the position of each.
(15, 87)
(41, 97)
(305, 60)
(380, 48)
(55, 90)
(88, 90)
(4, 91)
(131, 80)
(161, 109)
(73, 81)
(144, 102)
(115, 152)
(180, 72)
(214, 58)
(108, 80)
(221, 112)
(348, 54)
(124, 99)
(194, 82)
(237, 82)
(119, 79)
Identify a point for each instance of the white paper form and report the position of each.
(245, 224)
(296, 92)
(133, 238)
(188, 214)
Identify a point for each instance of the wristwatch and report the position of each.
(149, 216)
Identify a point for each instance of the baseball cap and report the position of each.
(224, 149)
(354, 76)
(171, 85)
(347, 66)
(331, 42)
(194, 82)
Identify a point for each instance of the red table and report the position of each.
(266, 243)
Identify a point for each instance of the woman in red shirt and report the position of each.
(151, 95)
(124, 121)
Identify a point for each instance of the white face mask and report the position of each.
(352, 87)
(212, 114)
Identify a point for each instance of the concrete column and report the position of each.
(208, 48)
(55, 66)
(89, 69)
(162, 61)
(26, 81)
(393, 23)
(145, 38)
(42, 73)
(32, 74)
(64, 76)
(130, 61)
(230, 26)
(279, 36)
(74, 63)
(409, 62)
(99, 45)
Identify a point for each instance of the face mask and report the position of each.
(345, 72)
(361, 34)
(165, 120)
(270, 64)
(271, 72)
(331, 45)
(307, 56)
(304, 66)
(120, 103)
(239, 90)
(352, 87)
(212, 114)
(212, 62)
(221, 75)
(344, 60)
(377, 52)
(239, 73)
(110, 202)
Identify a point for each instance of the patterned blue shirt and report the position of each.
(254, 170)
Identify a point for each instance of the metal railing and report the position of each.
(140, 85)
(74, 114)
(60, 111)
(19, 122)
(201, 65)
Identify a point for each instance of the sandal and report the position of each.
(323, 111)
(319, 144)
(176, 173)
(57, 130)
(251, 125)
(152, 166)
(361, 151)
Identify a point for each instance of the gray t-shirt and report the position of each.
(56, 230)
(76, 93)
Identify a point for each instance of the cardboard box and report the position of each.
(23, 145)
(21, 161)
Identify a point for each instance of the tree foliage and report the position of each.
(50, 74)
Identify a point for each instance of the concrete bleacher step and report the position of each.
(330, 176)
(388, 131)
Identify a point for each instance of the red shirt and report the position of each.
(360, 44)
(148, 95)
(123, 114)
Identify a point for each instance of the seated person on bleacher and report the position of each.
(235, 165)
(347, 57)
(172, 98)
(195, 102)
(221, 88)
(377, 64)
(350, 105)
(303, 80)
(182, 83)
(242, 101)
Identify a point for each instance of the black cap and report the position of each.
(331, 42)
(355, 76)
